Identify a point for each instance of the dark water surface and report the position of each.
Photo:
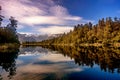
(60, 63)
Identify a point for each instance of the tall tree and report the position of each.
(1, 17)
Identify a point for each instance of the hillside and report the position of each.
(106, 32)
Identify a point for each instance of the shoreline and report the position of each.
(9, 46)
(82, 44)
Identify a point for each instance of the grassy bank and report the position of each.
(9, 46)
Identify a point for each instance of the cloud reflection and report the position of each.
(50, 63)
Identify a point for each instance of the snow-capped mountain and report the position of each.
(36, 38)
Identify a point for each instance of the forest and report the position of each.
(105, 32)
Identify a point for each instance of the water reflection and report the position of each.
(107, 58)
(60, 63)
(8, 63)
(43, 64)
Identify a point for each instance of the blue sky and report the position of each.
(93, 9)
(57, 16)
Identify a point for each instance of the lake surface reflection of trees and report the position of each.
(107, 58)
(8, 63)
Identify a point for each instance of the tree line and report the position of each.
(107, 31)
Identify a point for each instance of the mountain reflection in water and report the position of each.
(60, 63)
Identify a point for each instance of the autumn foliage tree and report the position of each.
(106, 31)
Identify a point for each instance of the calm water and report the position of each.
(60, 63)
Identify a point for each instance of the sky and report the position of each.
(56, 16)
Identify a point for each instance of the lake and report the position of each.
(60, 63)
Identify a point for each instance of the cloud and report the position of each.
(55, 29)
(20, 27)
(18, 9)
(74, 18)
(39, 12)
(58, 11)
(62, 13)
(26, 12)
(53, 56)
(27, 33)
(33, 20)
(50, 63)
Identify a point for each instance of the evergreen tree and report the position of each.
(8, 33)
(105, 32)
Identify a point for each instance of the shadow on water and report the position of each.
(107, 58)
(8, 63)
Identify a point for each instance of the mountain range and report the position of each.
(36, 38)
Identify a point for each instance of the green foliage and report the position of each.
(8, 34)
(107, 31)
